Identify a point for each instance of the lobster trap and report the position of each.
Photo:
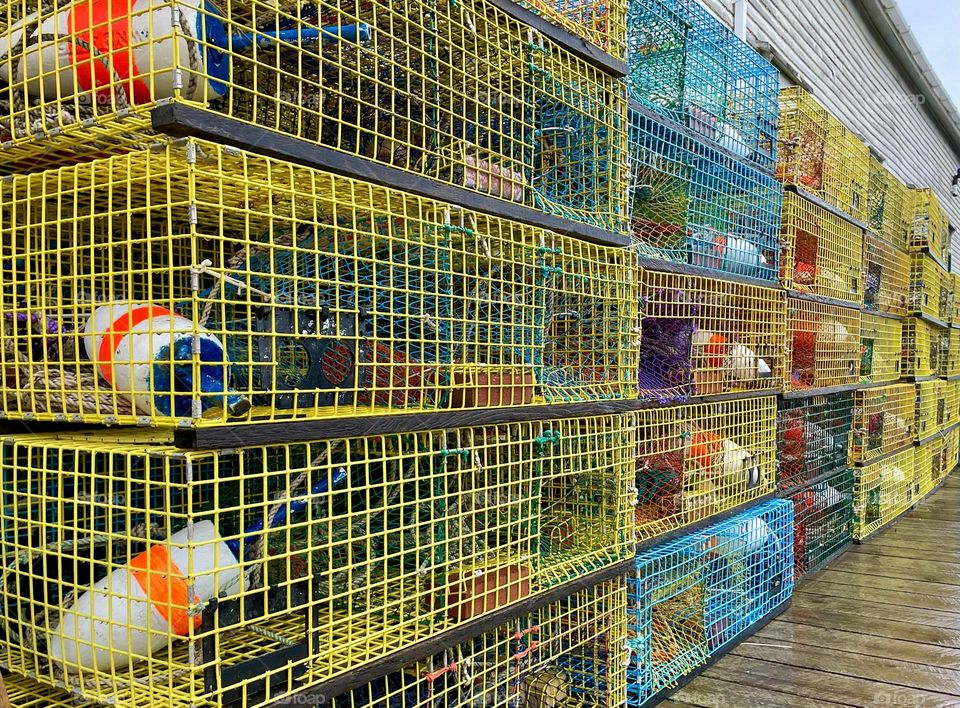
(925, 347)
(703, 336)
(24, 692)
(693, 204)
(813, 437)
(931, 288)
(699, 460)
(820, 253)
(569, 653)
(822, 521)
(881, 342)
(135, 574)
(929, 225)
(950, 364)
(690, 597)
(882, 491)
(955, 299)
(951, 405)
(691, 68)
(888, 202)
(884, 420)
(215, 284)
(823, 344)
(463, 93)
(600, 22)
(886, 276)
(931, 408)
(816, 152)
(930, 465)
(950, 453)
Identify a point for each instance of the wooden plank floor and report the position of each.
(879, 627)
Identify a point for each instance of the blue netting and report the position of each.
(689, 67)
(691, 203)
(693, 595)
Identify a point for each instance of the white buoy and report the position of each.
(143, 606)
(146, 353)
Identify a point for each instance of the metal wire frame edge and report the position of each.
(886, 315)
(661, 266)
(836, 211)
(939, 434)
(181, 121)
(884, 456)
(925, 250)
(827, 390)
(880, 237)
(913, 505)
(920, 379)
(825, 300)
(929, 319)
(822, 477)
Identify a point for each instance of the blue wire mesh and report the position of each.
(692, 596)
(689, 67)
(691, 203)
(823, 521)
(813, 437)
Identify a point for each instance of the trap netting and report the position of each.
(823, 344)
(822, 521)
(813, 437)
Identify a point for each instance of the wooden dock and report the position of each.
(880, 626)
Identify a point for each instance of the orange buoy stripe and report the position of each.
(118, 330)
(165, 587)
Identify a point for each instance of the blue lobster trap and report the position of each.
(693, 204)
(689, 67)
(692, 596)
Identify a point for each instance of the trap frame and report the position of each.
(931, 408)
(602, 22)
(889, 205)
(813, 437)
(884, 420)
(881, 344)
(823, 344)
(925, 347)
(882, 491)
(886, 276)
(823, 521)
(931, 288)
(929, 225)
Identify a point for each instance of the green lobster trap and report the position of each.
(699, 460)
(823, 344)
(925, 347)
(462, 93)
(813, 437)
(884, 420)
(218, 285)
(137, 574)
(931, 288)
(886, 276)
(929, 225)
(881, 341)
(822, 521)
(889, 202)
(882, 491)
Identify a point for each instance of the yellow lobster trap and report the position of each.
(925, 347)
(955, 299)
(930, 461)
(931, 416)
(703, 336)
(24, 692)
(886, 276)
(884, 420)
(570, 653)
(600, 22)
(881, 341)
(215, 284)
(823, 344)
(931, 288)
(950, 453)
(462, 93)
(889, 203)
(820, 253)
(950, 365)
(951, 397)
(816, 152)
(699, 460)
(929, 224)
(882, 491)
(137, 574)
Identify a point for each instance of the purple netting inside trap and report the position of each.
(665, 350)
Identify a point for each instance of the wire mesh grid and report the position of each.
(321, 557)
(955, 298)
(460, 92)
(882, 491)
(817, 152)
(881, 342)
(823, 344)
(886, 276)
(692, 204)
(951, 405)
(699, 460)
(690, 597)
(691, 68)
(602, 22)
(888, 201)
(822, 521)
(884, 420)
(704, 336)
(925, 347)
(931, 288)
(950, 365)
(928, 466)
(950, 453)
(569, 654)
(931, 408)
(929, 225)
(24, 692)
(813, 437)
(215, 284)
(820, 253)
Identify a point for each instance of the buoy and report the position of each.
(91, 43)
(135, 347)
(727, 361)
(750, 536)
(710, 248)
(740, 467)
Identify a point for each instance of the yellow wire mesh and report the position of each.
(214, 284)
(569, 654)
(456, 91)
(886, 276)
(882, 491)
(881, 342)
(889, 205)
(386, 540)
(950, 365)
(602, 23)
(931, 288)
(823, 344)
(955, 298)
(929, 461)
(24, 692)
(925, 347)
(703, 459)
(820, 253)
(951, 398)
(703, 336)
(883, 420)
(950, 453)
(817, 152)
(929, 224)
(931, 408)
